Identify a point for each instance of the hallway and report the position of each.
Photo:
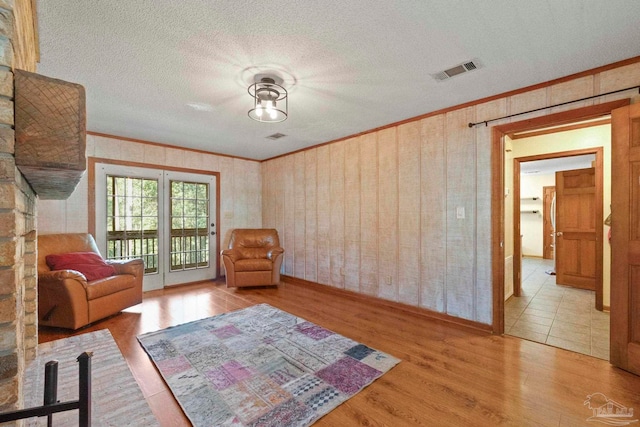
(556, 315)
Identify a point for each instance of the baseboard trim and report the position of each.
(161, 291)
(424, 312)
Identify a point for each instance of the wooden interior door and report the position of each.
(548, 193)
(625, 239)
(576, 228)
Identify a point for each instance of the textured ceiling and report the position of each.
(547, 166)
(177, 72)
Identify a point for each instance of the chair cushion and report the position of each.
(252, 253)
(253, 265)
(109, 285)
(253, 242)
(90, 264)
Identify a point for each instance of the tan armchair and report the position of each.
(67, 300)
(254, 258)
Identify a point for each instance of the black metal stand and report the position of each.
(50, 387)
(51, 404)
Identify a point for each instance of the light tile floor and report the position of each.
(560, 316)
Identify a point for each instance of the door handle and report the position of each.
(559, 233)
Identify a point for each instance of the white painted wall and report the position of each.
(531, 224)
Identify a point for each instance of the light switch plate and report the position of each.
(460, 212)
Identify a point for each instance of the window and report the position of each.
(132, 220)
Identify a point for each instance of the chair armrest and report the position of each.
(62, 299)
(230, 254)
(274, 253)
(229, 258)
(55, 277)
(135, 266)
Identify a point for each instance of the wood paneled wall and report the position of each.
(240, 185)
(378, 213)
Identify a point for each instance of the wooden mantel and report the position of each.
(50, 130)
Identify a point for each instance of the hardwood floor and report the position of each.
(449, 375)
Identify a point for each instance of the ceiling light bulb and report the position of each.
(270, 101)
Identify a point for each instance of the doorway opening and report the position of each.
(558, 310)
(581, 188)
(499, 132)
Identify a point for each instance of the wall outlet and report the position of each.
(387, 280)
(460, 212)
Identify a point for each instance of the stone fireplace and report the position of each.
(18, 299)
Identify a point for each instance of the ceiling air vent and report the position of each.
(276, 136)
(455, 71)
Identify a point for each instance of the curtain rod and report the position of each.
(486, 122)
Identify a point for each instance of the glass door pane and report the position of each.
(189, 225)
(132, 220)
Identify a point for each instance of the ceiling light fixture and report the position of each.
(270, 101)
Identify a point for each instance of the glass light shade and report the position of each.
(270, 96)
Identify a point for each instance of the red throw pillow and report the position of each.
(88, 263)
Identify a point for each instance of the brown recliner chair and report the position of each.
(254, 258)
(67, 300)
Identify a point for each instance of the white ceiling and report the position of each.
(547, 166)
(177, 72)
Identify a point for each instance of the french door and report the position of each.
(166, 218)
(189, 211)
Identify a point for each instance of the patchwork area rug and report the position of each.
(115, 396)
(261, 366)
